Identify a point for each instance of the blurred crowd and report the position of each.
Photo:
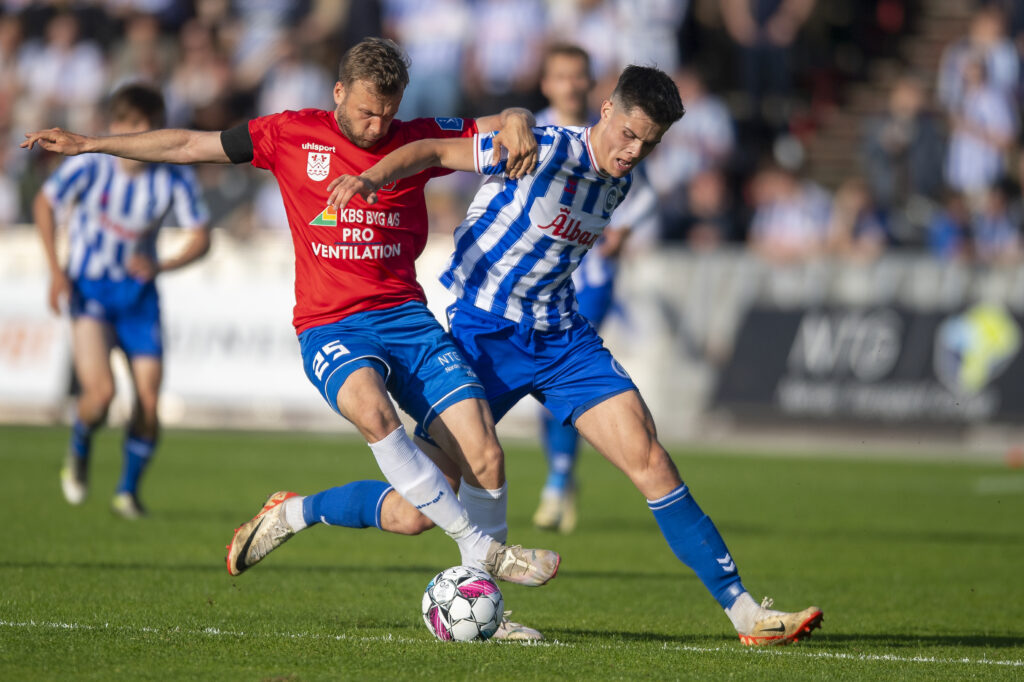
(938, 167)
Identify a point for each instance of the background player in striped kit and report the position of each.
(515, 317)
(113, 209)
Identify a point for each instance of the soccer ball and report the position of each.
(462, 604)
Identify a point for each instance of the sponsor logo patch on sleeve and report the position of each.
(450, 123)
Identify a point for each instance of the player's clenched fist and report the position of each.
(56, 140)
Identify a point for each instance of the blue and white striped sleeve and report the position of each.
(483, 151)
(70, 180)
(189, 208)
(483, 155)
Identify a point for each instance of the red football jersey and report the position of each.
(363, 257)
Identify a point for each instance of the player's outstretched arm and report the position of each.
(168, 145)
(410, 159)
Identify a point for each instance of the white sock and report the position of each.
(743, 613)
(487, 509)
(473, 544)
(418, 480)
(293, 515)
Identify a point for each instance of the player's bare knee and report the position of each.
(101, 395)
(653, 471)
(94, 402)
(489, 465)
(486, 465)
(417, 524)
(409, 521)
(397, 515)
(374, 424)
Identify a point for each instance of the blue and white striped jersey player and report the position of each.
(515, 316)
(113, 209)
(566, 82)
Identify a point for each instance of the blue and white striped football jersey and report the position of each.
(522, 239)
(112, 214)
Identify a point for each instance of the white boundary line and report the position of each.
(216, 632)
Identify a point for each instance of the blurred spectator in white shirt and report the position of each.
(64, 79)
(648, 32)
(262, 28)
(200, 81)
(982, 129)
(143, 54)
(790, 223)
(855, 232)
(594, 26)
(294, 82)
(986, 38)
(617, 33)
(504, 54)
(702, 140)
(431, 32)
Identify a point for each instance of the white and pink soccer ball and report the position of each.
(462, 604)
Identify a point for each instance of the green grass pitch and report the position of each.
(918, 567)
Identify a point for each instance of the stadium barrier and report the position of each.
(35, 353)
(716, 341)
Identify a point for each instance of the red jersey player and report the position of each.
(363, 326)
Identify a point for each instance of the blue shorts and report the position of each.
(422, 369)
(568, 371)
(131, 308)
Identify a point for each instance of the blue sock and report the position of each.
(354, 505)
(560, 447)
(137, 454)
(81, 439)
(696, 542)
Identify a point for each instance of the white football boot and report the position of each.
(127, 506)
(778, 627)
(516, 632)
(512, 563)
(260, 535)
(74, 479)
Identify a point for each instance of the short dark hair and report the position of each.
(378, 61)
(652, 90)
(137, 98)
(565, 50)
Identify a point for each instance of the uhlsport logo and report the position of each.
(318, 163)
(974, 348)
